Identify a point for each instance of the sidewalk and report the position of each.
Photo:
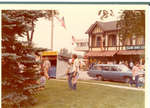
(108, 85)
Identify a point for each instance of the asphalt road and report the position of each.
(84, 76)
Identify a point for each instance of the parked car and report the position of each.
(115, 72)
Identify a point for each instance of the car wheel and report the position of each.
(126, 79)
(99, 77)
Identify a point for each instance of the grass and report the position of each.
(58, 95)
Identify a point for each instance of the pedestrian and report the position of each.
(126, 63)
(42, 81)
(131, 65)
(141, 74)
(69, 73)
(141, 80)
(75, 69)
(46, 66)
(52, 70)
(135, 72)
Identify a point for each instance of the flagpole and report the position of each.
(52, 29)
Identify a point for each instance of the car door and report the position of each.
(115, 73)
(106, 72)
(98, 70)
(94, 71)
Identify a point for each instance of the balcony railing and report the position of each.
(82, 48)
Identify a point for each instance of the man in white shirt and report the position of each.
(46, 66)
(75, 70)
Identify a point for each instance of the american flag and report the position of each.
(62, 21)
(73, 40)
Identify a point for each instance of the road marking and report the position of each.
(108, 85)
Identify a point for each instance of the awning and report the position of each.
(101, 53)
(49, 53)
(131, 52)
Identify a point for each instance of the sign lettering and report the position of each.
(134, 47)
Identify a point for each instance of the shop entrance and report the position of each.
(52, 57)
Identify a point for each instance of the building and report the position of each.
(82, 45)
(105, 44)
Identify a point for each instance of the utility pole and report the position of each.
(52, 29)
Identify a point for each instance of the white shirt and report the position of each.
(76, 65)
(46, 64)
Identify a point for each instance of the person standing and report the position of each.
(42, 81)
(75, 70)
(135, 72)
(131, 65)
(46, 65)
(69, 73)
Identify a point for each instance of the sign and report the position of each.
(49, 53)
(135, 47)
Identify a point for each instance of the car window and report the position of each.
(123, 68)
(98, 68)
(106, 68)
(114, 68)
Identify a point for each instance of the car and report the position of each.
(114, 72)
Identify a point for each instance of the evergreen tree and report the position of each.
(19, 68)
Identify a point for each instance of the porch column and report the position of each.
(117, 39)
(102, 42)
(90, 42)
(106, 40)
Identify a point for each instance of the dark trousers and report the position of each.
(71, 86)
(137, 80)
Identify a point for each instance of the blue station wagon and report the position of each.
(114, 72)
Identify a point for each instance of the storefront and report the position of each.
(105, 45)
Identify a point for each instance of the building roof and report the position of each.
(105, 26)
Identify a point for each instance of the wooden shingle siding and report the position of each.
(97, 30)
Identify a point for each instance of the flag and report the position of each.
(62, 21)
(73, 40)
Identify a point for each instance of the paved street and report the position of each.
(84, 76)
(108, 85)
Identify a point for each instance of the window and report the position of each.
(113, 68)
(83, 44)
(98, 41)
(139, 41)
(127, 41)
(124, 68)
(98, 68)
(131, 41)
(106, 68)
(112, 40)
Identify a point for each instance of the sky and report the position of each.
(77, 21)
(78, 18)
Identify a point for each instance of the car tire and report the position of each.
(99, 77)
(126, 79)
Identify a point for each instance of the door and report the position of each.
(106, 72)
(115, 73)
(97, 70)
